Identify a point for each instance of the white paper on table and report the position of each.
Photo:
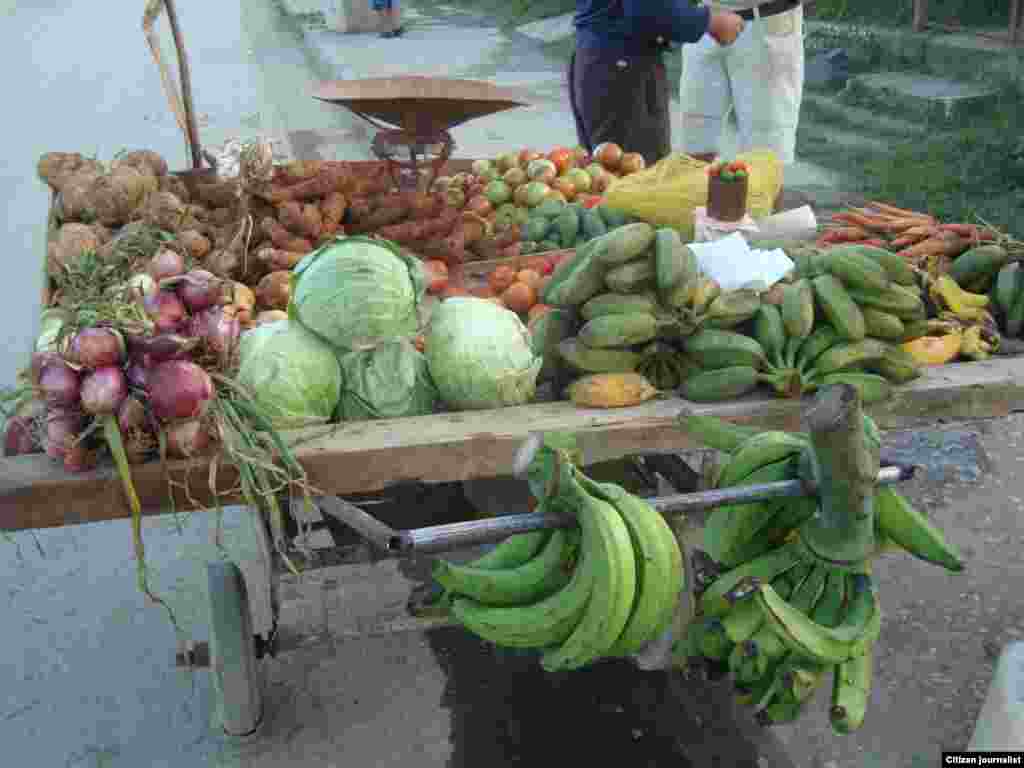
(796, 224)
(732, 263)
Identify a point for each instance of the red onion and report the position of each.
(138, 374)
(59, 384)
(218, 326)
(104, 390)
(62, 428)
(19, 437)
(97, 347)
(139, 445)
(131, 414)
(187, 438)
(80, 458)
(168, 346)
(165, 310)
(179, 390)
(166, 263)
(39, 361)
(200, 289)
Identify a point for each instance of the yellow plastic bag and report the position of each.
(669, 192)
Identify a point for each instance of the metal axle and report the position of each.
(442, 538)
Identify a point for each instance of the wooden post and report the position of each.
(920, 15)
(844, 465)
(1015, 19)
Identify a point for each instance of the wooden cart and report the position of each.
(358, 458)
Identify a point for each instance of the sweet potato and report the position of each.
(283, 239)
(274, 259)
(387, 209)
(332, 212)
(331, 178)
(423, 206)
(274, 290)
(296, 171)
(290, 216)
(142, 160)
(359, 208)
(195, 244)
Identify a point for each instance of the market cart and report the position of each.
(359, 458)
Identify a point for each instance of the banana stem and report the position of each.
(844, 464)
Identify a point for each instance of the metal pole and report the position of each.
(441, 538)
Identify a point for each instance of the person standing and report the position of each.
(388, 13)
(618, 88)
(759, 79)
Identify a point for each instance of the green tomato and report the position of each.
(727, 176)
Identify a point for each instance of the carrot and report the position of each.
(876, 242)
(942, 244)
(844, 235)
(894, 211)
(908, 240)
(857, 218)
(899, 226)
(331, 178)
(971, 232)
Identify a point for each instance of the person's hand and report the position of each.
(725, 27)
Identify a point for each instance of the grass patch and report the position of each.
(968, 13)
(975, 167)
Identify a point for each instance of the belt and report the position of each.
(768, 9)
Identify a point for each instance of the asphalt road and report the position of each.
(86, 678)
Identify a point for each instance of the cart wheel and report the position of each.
(237, 681)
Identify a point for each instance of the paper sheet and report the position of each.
(732, 263)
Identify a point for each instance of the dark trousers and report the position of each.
(622, 100)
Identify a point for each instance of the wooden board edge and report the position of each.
(369, 456)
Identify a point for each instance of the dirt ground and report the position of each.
(376, 694)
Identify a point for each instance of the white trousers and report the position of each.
(759, 79)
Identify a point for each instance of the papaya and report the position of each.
(983, 261)
(576, 280)
(619, 330)
(618, 304)
(611, 390)
(612, 218)
(631, 277)
(592, 224)
(625, 244)
(721, 384)
(589, 360)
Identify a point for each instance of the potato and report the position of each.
(55, 168)
(176, 186)
(223, 263)
(74, 203)
(164, 210)
(71, 241)
(144, 160)
(196, 245)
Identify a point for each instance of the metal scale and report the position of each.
(414, 116)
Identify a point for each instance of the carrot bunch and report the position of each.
(916, 236)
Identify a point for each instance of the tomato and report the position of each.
(727, 176)
(592, 201)
(437, 276)
(562, 158)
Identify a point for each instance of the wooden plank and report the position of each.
(369, 456)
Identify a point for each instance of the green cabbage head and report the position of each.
(293, 376)
(479, 355)
(387, 382)
(355, 292)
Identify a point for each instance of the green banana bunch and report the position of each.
(602, 589)
(779, 615)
